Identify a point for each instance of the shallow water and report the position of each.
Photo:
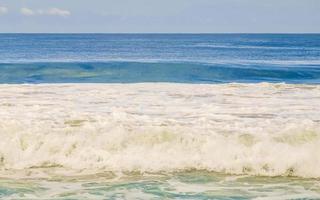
(179, 185)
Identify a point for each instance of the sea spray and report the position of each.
(257, 129)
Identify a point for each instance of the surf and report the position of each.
(263, 129)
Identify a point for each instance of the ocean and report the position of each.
(159, 116)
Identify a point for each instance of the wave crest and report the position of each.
(231, 128)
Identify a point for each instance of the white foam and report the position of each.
(258, 129)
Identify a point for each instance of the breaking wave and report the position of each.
(258, 129)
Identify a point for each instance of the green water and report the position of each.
(183, 185)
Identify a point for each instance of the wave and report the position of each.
(257, 47)
(179, 71)
(257, 129)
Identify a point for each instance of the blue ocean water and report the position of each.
(182, 58)
(159, 140)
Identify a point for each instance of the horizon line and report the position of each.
(186, 33)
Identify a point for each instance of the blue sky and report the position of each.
(190, 16)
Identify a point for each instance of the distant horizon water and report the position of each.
(185, 58)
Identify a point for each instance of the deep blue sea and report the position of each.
(160, 116)
(181, 58)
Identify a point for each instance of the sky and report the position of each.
(160, 16)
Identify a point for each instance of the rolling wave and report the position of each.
(257, 129)
(256, 47)
(179, 72)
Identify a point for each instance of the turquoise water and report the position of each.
(183, 185)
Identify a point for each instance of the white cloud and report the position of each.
(50, 11)
(59, 12)
(27, 11)
(3, 10)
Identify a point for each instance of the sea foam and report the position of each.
(257, 129)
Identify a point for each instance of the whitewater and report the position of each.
(266, 129)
